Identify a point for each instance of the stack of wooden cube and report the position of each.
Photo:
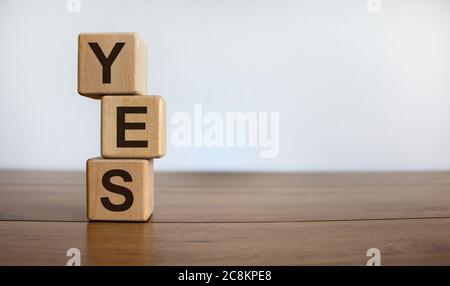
(119, 185)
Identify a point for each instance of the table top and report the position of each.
(234, 219)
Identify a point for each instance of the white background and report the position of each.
(355, 90)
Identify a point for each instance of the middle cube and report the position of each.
(133, 127)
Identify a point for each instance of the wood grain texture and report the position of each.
(129, 195)
(241, 179)
(401, 242)
(239, 204)
(128, 71)
(234, 219)
(152, 131)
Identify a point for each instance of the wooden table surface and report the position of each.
(234, 219)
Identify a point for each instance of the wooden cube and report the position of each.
(119, 190)
(111, 63)
(133, 127)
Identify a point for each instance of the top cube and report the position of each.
(111, 63)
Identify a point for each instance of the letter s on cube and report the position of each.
(119, 189)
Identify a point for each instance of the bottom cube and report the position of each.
(119, 189)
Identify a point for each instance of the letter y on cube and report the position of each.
(111, 63)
